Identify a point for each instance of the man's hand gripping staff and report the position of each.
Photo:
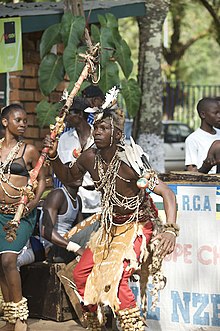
(91, 63)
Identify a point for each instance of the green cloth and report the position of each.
(23, 232)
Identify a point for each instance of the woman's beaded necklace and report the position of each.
(5, 176)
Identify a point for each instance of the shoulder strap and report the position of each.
(25, 145)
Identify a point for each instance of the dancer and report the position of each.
(17, 159)
(127, 219)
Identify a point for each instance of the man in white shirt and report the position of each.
(198, 143)
(72, 143)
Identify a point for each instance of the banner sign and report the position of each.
(10, 44)
(191, 299)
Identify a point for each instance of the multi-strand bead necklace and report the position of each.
(110, 197)
(5, 169)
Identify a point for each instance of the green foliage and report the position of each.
(51, 72)
(115, 59)
(73, 29)
(198, 60)
(131, 92)
(72, 63)
(199, 64)
(122, 55)
(109, 76)
(50, 37)
(128, 29)
(46, 112)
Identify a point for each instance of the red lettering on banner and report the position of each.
(206, 254)
(214, 255)
(181, 251)
(202, 251)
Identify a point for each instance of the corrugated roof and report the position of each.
(50, 8)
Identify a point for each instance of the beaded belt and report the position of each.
(12, 209)
(143, 215)
(120, 219)
(8, 208)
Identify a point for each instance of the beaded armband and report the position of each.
(148, 180)
(171, 228)
(153, 180)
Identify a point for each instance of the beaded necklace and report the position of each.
(110, 197)
(5, 178)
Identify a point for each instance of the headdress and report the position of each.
(109, 110)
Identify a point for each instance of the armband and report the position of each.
(169, 231)
(171, 228)
(53, 158)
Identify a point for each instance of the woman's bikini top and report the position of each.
(18, 166)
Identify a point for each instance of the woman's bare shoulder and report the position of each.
(31, 152)
(31, 148)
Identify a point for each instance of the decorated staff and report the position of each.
(91, 63)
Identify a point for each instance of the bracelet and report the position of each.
(53, 158)
(74, 247)
(169, 231)
(173, 227)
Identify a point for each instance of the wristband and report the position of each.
(53, 158)
(169, 231)
(173, 227)
(73, 247)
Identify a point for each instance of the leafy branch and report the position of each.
(115, 57)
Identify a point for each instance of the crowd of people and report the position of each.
(96, 173)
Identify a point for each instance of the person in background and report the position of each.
(127, 219)
(16, 160)
(212, 159)
(198, 143)
(61, 211)
(94, 95)
(2, 130)
(72, 143)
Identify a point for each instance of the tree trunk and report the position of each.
(74, 6)
(147, 125)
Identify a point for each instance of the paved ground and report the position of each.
(47, 325)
